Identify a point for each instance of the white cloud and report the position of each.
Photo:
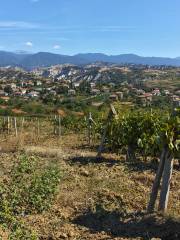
(56, 46)
(17, 25)
(29, 44)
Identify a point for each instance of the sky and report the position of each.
(143, 27)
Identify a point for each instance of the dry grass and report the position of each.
(87, 181)
(171, 84)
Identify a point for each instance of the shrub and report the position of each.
(28, 190)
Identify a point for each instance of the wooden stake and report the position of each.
(10, 122)
(130, 155)
(4, 124)
(168, 168)
(111, 113)
(167, 174)
(22, 125)
(55, 132)
(38, 127)
(89, 129)
(59, 125)
(91, 122)
(157, 182)
(100, 149)
(15, 126)
(8, 125)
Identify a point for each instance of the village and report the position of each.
(92, 82)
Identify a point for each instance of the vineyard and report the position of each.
(109, 175)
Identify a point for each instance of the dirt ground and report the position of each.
(98, 198)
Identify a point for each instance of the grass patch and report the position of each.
(28, 190)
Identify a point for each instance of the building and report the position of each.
(134, 90)
(17, 93)
(176, 103)
(38, 83)
(145, 99)
(95, 91)
(23, 91)
(71, 92)
(140, 92)
(175, 98)
(76, 85)
(120, 95)
(125, 90)
(156, 92)
(92, 84)
(113, 97)
(177, 92)
(13, 86)
(33, 94)
(166, 92)
(105, 89)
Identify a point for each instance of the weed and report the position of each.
(28, 190)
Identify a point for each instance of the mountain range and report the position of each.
(46, 59)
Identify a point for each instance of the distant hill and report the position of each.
(45, 59)
(48, 59)
(12, 59)
(131, 59)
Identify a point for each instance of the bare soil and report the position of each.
(98, 198)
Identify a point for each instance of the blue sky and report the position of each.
(144, 27)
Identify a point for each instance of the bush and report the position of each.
(42, 189)
(32, 190)
(28, 190)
